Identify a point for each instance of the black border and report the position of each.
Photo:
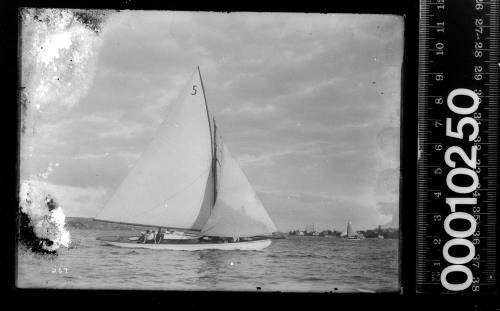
(34, 298)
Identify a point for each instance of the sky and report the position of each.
(308, 104)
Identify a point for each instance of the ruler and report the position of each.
(458, 146)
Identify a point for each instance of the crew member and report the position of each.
(158, 236)
(150, 236)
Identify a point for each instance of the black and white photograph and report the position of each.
(209, 151)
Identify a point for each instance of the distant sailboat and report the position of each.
(351, 234)
(187, 180)
(380, 235)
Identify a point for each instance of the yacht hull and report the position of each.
(193, 246)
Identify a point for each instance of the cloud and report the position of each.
(390, 209)
(270, 158)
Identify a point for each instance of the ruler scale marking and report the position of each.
(458, 49)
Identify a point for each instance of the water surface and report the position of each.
(319, 264)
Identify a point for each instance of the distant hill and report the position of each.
(90, 224)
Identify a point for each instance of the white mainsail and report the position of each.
(173, 184)
(238, 211)
(170, 186)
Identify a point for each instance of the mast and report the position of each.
(208, 113)
(211, 124)
(214, 163)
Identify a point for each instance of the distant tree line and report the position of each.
(388, 233)
(90, 224)
(311, 233)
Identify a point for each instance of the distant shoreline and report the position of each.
(88, 223)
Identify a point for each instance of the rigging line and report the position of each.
(174, 194)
